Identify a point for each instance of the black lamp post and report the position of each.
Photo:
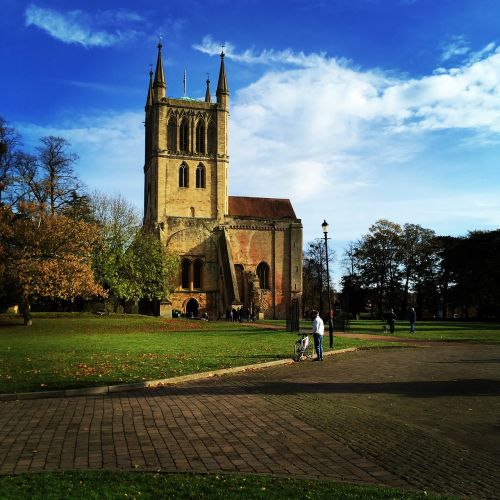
(330, 319)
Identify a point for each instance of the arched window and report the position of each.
(185, 266)
(200, 137)
(200, 176)
(197, 273)
(191, 210)
(184, 176)
(172, 135)
(212, 138)
(263, 275)
(184, 136)
(192, 308)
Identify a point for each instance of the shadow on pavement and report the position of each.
(424, 389)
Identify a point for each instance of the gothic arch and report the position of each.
(184, 176)
(185, 273)
(201, 176)
(200, 136)
(184, 134)
(172, 133)
(263, 275)
(198, 274)
(191, 307)
(212, 137)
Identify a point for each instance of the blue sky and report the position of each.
(355, 110)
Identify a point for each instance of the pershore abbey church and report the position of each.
(236, 252)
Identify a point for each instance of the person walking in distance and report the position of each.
(318, 330)
(391, 319)
(412, 317)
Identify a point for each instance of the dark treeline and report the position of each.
(399, 267)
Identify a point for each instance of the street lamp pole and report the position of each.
(330, 319)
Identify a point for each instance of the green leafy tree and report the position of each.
(149, 270)
(119, 222)
(131, 261)
(379, 256)
(315, 287)
(418, 260)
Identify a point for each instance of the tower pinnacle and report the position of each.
(208, 97)
(159, 82)
(149, 100)
(222, 89)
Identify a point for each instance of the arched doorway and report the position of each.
(192, 308)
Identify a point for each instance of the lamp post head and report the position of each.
(325, 227)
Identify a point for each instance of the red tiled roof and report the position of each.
(261, 208)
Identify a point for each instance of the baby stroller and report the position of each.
(302, 348)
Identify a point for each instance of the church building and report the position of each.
(236, 252)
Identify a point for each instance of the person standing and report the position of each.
(412, 317)
(391, 319)
(318, 330)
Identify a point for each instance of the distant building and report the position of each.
(236, 252)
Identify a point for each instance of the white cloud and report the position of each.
(353, 146)
(345, 145)
(458, 46)
(266, 57)
(79, 27)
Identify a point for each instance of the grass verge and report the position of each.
(456, 331)
(63, 351)
(135, 485)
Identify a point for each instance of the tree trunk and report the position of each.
(26, 308)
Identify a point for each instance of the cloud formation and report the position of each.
(323, 130)
(344, 144)
(105, 29)
(267, 57)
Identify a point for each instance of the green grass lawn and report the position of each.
(62, 351)
(457, 331)
(136, 485)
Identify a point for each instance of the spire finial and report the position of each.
(160, 42)
(150, 70)
(185, 82)
(159, 79)
(208, 98)
(222, 51)
(222, 88)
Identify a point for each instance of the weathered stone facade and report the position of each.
(236, 252)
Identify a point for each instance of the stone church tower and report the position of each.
(236, 252)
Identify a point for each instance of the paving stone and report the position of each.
(421, 418)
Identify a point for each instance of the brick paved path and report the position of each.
(425, 418)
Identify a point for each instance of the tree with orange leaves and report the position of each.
(45, 255)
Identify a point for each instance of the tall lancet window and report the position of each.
(200, 137)
(184, 136)
(212, 138)
(185, 273)
(172, 135)
(263, 275)
(184, 176)
(200, 176)
(197, 273)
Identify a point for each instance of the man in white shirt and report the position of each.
(318, 330)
